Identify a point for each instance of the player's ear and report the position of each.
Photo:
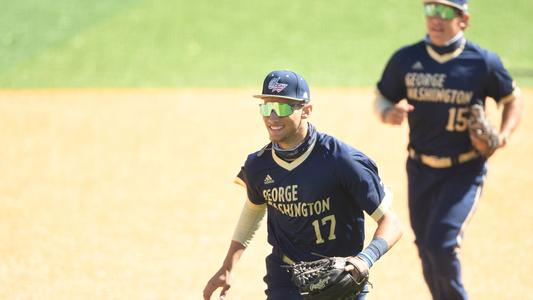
(306, 111)
(465, 18)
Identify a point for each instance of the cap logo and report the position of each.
(275, 86)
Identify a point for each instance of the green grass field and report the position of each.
(232, 43)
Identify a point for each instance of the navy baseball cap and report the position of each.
(285, 84)
(459, 4)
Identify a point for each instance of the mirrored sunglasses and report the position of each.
(281, 109)
(440, 11)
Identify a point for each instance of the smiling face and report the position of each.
(441, 31)
(291, 130)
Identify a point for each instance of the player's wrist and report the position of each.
(503, 138)
(377, 248)
(385, 114)
(365, 259)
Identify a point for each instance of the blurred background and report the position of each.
(230, 43)
(123, 124)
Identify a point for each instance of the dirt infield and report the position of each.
(129, 195)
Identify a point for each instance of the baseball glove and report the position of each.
(483, 135)
(326, 278)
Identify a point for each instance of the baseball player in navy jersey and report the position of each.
(314, 189)
(433, 83)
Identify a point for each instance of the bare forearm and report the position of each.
(389, 231)
(247, 225)
(233, 255)
(389, 228)
(391, 113)
(511, 115)
(222, 278)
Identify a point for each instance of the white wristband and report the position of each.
(381, 104)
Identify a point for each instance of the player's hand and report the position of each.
(502, 139)
(358, 267)
(396, 114)
(222, 279)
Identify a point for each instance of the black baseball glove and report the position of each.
(483, 135)
(327, 279)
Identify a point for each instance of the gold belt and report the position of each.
(440, 162)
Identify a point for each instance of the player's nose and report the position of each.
(273, 115)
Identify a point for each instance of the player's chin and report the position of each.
(437, 37)
(275, 137)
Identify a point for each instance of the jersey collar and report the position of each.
(443, 58)
(289, 166)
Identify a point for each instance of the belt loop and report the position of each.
(455, 160)
(413, 155)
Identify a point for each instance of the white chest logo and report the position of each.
(268, 180)
(417, 66)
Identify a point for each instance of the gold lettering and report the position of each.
(424, 80)
(317, 207)
(409, 80)
(325, 204)
(450, 96)
(310, 208)
(298, 209)
(290, 210)
(281, 194)
(266, 195)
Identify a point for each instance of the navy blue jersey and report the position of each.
(441, 88)
(316, 203)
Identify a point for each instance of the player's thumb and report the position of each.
(224, 292)
(349, 268)
(225, 288)
(405, 107)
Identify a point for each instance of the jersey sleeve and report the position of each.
(244, 180)
(240, 178)
(361, 180)
(391, 85)
(500, 85)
